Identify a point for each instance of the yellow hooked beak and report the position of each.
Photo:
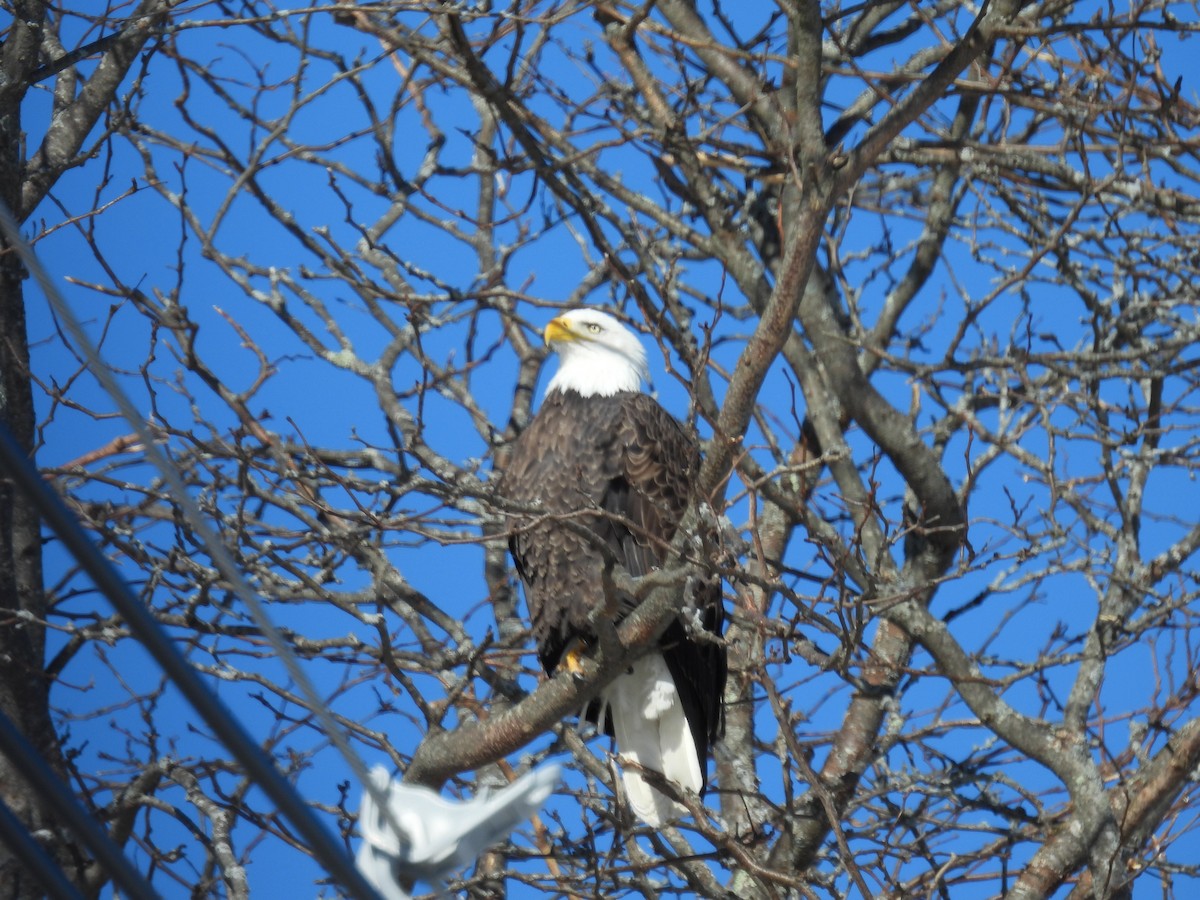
(559, 330)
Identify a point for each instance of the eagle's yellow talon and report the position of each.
(573, 660)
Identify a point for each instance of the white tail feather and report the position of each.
(652, 731)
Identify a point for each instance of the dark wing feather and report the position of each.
(561, 468)
(660, 462)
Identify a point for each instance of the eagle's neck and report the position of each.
(592, 373)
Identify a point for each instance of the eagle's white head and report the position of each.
(597, 354)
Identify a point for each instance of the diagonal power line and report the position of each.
(224, 724)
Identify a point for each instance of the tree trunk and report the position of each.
(24, 691)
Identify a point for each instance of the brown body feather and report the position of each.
(621, 469)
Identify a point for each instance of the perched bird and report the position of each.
(606, 473)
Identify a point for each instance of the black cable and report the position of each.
(45, 781)
(34, 858)
(257, 765)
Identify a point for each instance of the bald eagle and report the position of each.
(606, 456)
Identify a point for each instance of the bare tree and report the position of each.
(922, 276)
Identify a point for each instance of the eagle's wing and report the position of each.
(659, 462)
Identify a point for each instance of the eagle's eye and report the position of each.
(594, 328)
